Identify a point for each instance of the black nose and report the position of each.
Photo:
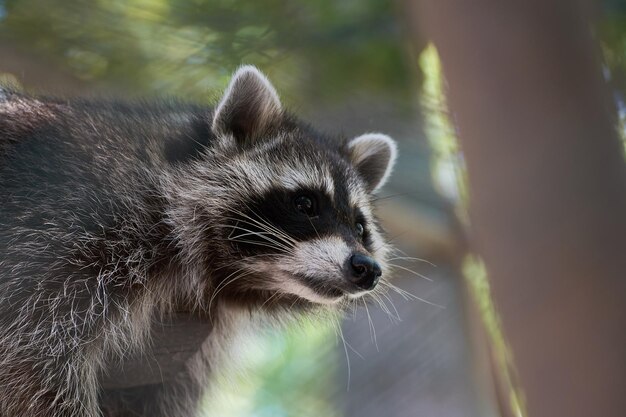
(365, 271)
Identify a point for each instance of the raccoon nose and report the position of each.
(365, 271)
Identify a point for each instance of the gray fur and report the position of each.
(113, 214)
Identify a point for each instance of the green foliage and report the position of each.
(447, 166)
(187, 47)
(284, 376)
(612, 38)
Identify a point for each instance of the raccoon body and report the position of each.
(114, 214)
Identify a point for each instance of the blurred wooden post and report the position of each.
(548, 191)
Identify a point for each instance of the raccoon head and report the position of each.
(288, 210)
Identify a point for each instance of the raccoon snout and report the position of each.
(365, 271)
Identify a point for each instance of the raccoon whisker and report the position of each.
(277, 235)
(400, 251)
(271, 298)
(294, 303)
(355, 306)
(309, 219)
(409, 295)
(264, 223)
(403, 293)
(390, 240)
(240, 274)
(252, 242)
(251, 221)
(397, 251)
(383, 245)
(263, 235)
(411, 259)
(348, 345)
(380, 303)
(384, 294)
(383, 306)
(411, 271)
(387, 197)
(343, 304)
(371, 325)
(345, 349)
(263, 228)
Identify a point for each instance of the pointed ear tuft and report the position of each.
(249, 108)
(373, 155)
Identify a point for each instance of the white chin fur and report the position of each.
(291, 286)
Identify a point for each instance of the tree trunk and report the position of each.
(548, 191)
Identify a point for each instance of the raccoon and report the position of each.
(113, 214)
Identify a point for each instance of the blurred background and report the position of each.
(348, 66)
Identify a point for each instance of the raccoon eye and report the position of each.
(305, 205)
(360, 229)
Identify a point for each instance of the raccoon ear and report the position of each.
(249, 108)
(373, 155)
